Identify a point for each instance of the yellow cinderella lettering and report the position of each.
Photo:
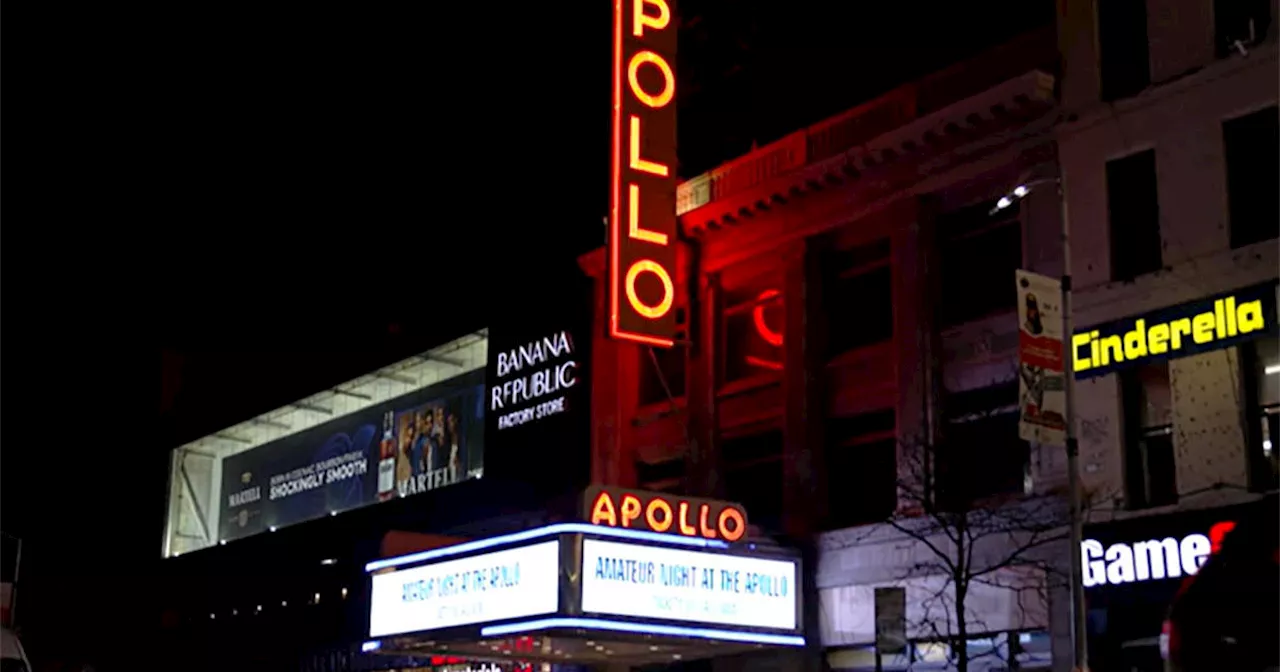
(1158, 339)
(1135, 341)
(1079, 341)
(1249, 317)
(1202, 328)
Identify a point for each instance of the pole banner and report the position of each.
(1042, 398)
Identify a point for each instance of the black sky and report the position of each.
(293, 196)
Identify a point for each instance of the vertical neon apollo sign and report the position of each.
(642, 205)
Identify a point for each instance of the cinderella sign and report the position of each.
(533, 380)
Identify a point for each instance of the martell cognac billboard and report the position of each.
(642, 205)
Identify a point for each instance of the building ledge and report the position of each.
(810, 160)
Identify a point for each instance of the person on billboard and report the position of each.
(451, 421)
(422, 448)
(404, 457)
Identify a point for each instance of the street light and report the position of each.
(1079, 624)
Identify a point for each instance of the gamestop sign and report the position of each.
(642, 210)
(625, 579)
(1149, 559)
(514, 583)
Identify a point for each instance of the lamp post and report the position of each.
(1079, 623)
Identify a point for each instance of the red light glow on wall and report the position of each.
(764, 331)
(642, 210)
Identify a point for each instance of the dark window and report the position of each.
(1149, 473)
(664, 476)
(670, 368)
(862, 469)
(980, 251)
(1124, 59)
(1239, 23)
(980, 454)
(1133, 212)
(1252, 147)
(753, 323)
(859, 297)
(753, 476)
(1261, 364)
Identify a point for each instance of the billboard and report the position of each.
(418, 442)
(642, 203)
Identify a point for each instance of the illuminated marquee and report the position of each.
(1181, 331)
(642, 213)
(667, 514)
(513, 583)
(652, 582)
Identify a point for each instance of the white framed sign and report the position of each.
(624, 579)
(514, 583)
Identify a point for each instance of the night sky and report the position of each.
(299, 197)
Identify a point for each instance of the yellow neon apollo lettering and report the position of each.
(668, 288)
(1226, 320)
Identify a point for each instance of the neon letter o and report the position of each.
(668, 79)
(651, 515)
(740, 525)
(668, 289)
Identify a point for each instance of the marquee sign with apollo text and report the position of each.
(664, 513)
(1181, 331)
(642, 204)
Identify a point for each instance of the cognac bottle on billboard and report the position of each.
(387, 459)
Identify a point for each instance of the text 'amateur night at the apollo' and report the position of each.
(475, 581)
(690, 576)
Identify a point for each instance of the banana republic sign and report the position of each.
(1181, 331)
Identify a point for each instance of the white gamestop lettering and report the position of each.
(1142, 561)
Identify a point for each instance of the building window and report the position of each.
(1261, 363)
(1252, 147)
(862, 469)
(981, 248)
(1133, 213)
(1124, 58)
(980, 454)
(753, 475)
(670, 368)
(664, 476)
(1238, 24)
(859, 297)
(1149, 472)
(753, 328)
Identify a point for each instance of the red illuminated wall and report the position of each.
(758, 384)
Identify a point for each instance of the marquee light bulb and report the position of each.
(1020, 190)
(1003, 203)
